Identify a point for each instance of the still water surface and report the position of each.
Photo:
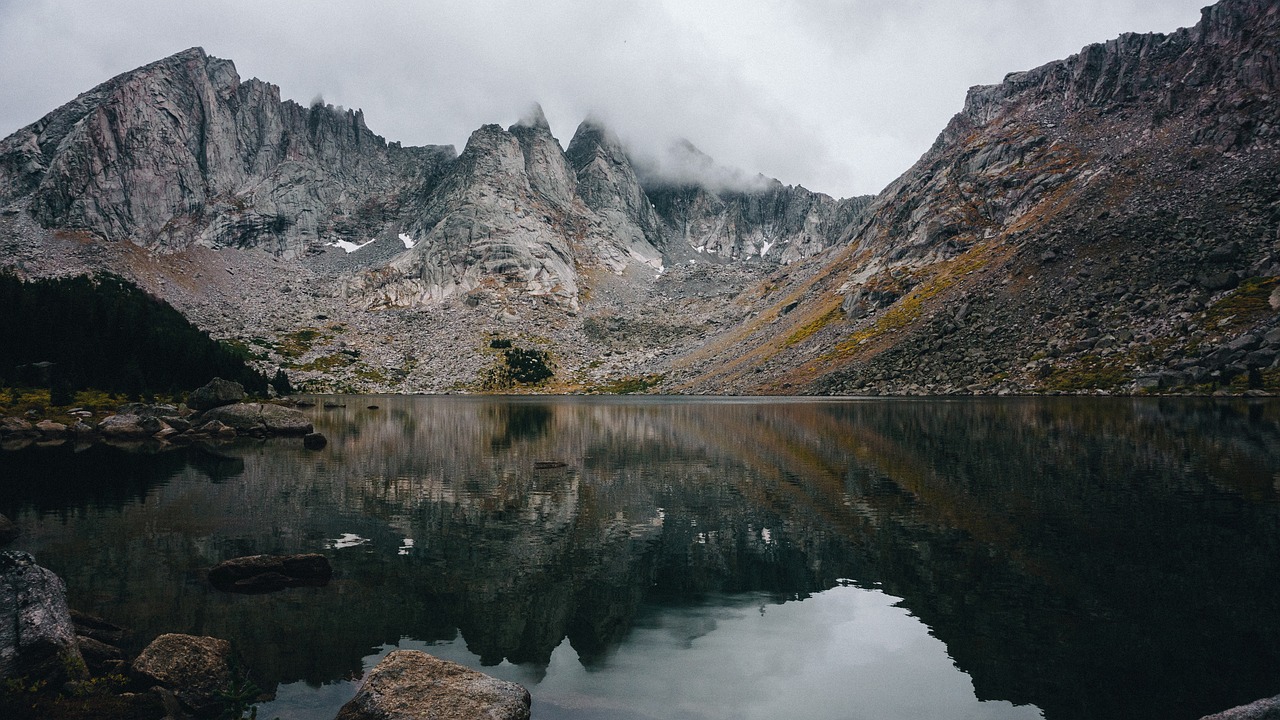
(672, 558)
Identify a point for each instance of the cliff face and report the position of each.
(1105, 222)
(182, 151)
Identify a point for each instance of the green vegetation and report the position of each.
(325, 363)
(102, 332)
(1090, 372)
(1244, 306)
(297, 343)
(630, 385)
(808, 329)
(516, 366)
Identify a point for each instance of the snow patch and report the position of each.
(349, 246)
(408, 241)
(765, 250)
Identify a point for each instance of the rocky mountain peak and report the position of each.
(535, 118)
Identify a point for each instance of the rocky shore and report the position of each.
(58, 663)
(215, 412)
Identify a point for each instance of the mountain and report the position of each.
(216, 195)
(1105, 223)
(1108, 222)
(181, 151)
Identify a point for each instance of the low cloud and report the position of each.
(838, 95)
(680, 163)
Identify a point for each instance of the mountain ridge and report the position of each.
(1091, 225)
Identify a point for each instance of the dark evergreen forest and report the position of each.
(105, 333)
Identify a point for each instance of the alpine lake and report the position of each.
(1060, 558)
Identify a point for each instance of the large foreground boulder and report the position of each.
(197, 670)
(268, 573)
(1268, 709)
(262, 418)
(412, 685)
(217, 393)
(37, 636)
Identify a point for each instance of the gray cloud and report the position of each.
(838, 95)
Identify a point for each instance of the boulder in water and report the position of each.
(412, 685)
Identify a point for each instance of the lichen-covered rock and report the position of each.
(216, 393)
(261, 417)
(197, 670)
(412, 685)
(37, 636)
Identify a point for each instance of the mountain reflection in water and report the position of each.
(1091, 558)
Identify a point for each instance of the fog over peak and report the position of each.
(838, 95)
(681, 163)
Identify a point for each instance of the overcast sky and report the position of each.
(840, 96)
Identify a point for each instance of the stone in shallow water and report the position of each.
(269, 573)
(265, 417)
(196, 669)
(412, 685)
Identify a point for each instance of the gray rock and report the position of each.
(216, 393)
(51, 429)
(197, 670)
(1268, 709)
(123, 427)
(1214, 282)
(37, 636)
(15, 426)
(412, 685)
(260, 417)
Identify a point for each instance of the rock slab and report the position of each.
(37, 636)
(1268, 709)
(196, 669)
(412, 685)
(261, 418)
(269, 573)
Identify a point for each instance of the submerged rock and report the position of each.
(269, 573)
(409, 684)
(314, 441)
(197, 670)
(37, 637)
